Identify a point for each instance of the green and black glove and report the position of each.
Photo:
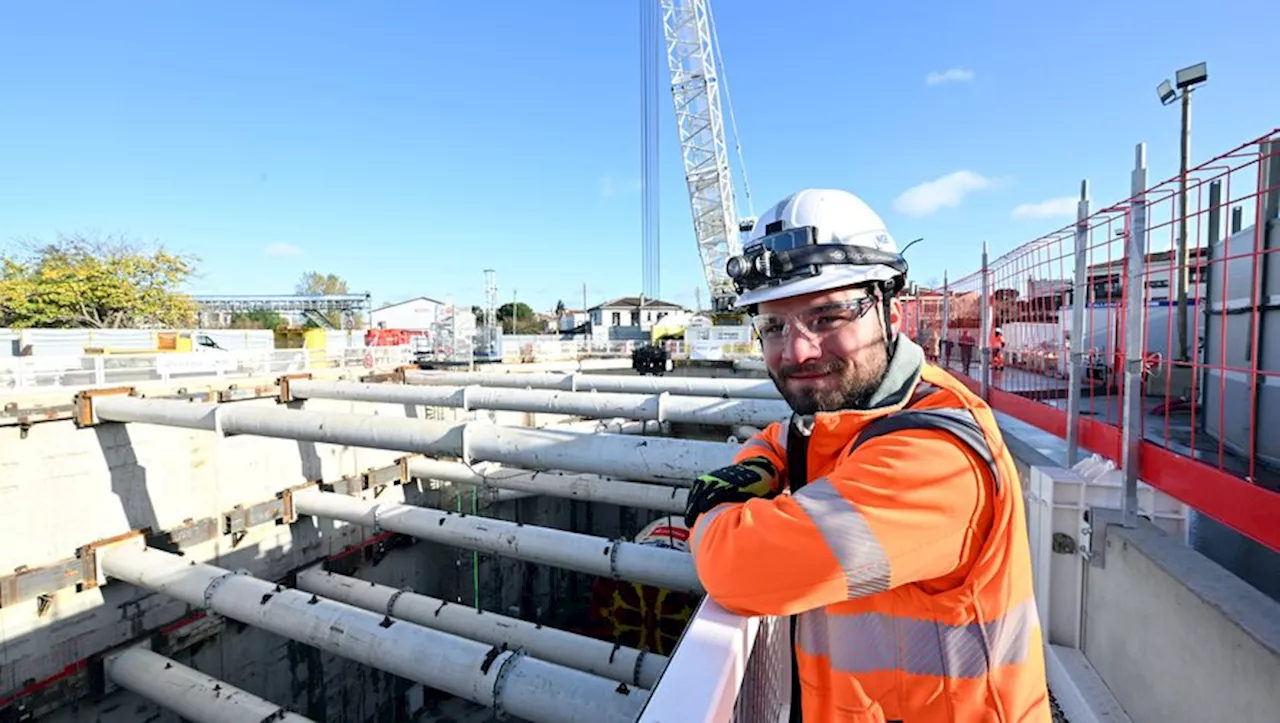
(750, 478)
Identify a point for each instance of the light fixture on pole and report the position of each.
(1185, 81)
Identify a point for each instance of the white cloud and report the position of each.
(611, 186)
(950, 75)
(1063, 207)
(945, 192)
(282, 249)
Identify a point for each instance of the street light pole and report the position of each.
(1185, 80)
(1184, 265)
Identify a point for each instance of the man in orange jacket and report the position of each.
(885, 517)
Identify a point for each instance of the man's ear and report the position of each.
(895, 315)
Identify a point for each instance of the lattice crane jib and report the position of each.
(695, 88)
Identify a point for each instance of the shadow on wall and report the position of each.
(1251, 561)
(57, 667)
(128, 478)
(50, 651)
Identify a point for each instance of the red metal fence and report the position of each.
(1207, 366)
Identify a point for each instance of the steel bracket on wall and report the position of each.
(84, 415)
(235, 522)
(282, 385)
(350, 485)
(384, 476)
(240, 519)
(1100, 520)
(41, 583)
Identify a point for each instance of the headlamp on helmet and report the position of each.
(794, 253)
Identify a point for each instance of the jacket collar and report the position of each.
(900, 378)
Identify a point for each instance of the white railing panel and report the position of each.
(725, 668)
(43, 373)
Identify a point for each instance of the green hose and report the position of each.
(457, 500)
(475, 556)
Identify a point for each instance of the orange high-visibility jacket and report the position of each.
(906, 562)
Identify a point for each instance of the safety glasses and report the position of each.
(814, 322)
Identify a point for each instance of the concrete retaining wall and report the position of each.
(62, 487)
(1171, 635)
(1176, 637)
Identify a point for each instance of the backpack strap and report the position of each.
(797, 441)
(798, 431)
(959, 423)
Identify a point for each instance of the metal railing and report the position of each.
(1138, 342)
(725, 668)
(37, 372)
(1097, 347)
(20, 374)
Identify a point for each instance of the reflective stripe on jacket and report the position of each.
(906, 561)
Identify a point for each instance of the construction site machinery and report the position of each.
(692, 48)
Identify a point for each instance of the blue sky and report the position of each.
(407, 146)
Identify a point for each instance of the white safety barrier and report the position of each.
(725, 668)
(37, 373)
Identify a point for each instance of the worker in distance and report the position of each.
(885, 517)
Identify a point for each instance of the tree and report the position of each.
(257, 319)
(526, 322)
(80, 281)
(314, 283)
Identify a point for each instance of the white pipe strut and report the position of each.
(498, 496)
(589, 426)
(190, 693)
(597, 405)
(593, 555)
(583, 487)
(624, 426)
(688, 386)
(646, 459)
(741, 433)
(525, 687)
(616, 425)
(629, 665)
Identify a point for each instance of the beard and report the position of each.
(848, 384)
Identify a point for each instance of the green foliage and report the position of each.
(79, 282)
(258, 319)
(314, 283)
(525, 322)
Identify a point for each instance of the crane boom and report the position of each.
(695, 87)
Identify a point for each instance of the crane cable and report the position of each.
(733, 120)
(649, 143)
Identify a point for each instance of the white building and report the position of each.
(417, 313)
(1107, 279)
(629, 316)
(571, 319)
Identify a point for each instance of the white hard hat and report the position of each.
(847, 244)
